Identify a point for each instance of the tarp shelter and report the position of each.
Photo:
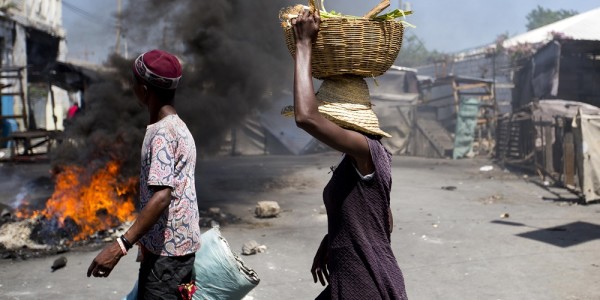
(393, 95)
(587, 131)
(562, 69)
(557, 139)
(583, 26)
(436, 116)
(465, 128)
(268, 132)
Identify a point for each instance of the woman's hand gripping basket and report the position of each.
(346, 45)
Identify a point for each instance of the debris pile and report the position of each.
(252, 247)
(267, 209)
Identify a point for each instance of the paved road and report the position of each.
(450, 243)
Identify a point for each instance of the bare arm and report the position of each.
(150, 214)
(306, 111)
(108, 258)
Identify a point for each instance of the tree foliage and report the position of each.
(541, 16)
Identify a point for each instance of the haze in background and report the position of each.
(235, 58)
(446, 26)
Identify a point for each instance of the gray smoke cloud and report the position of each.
(234, 56)
(235, 62)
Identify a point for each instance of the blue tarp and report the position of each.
(465, 127)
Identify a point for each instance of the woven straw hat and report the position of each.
(344, 100)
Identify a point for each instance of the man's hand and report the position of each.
(105, 261)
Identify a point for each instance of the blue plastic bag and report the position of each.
(219, 273)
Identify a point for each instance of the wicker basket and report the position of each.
(358, 47)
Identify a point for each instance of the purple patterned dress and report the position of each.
(361, 262)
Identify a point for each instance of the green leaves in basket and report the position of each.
(330, 14)
(395, 14)
(392, 15)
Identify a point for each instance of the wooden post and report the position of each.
(455, 92)
(569, 160)
(549, 161)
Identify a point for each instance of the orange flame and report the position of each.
(94, 202)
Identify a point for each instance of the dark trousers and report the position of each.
(160, 275)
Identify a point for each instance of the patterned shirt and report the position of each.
(169, 159)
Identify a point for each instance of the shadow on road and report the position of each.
(561, 236)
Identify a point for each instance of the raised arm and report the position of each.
(306, 27)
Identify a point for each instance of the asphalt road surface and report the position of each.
(460, 233)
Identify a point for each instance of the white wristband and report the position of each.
(123, 249)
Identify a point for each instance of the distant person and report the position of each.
(167, 228)
(355, 257)
(73, 110)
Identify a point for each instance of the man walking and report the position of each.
(167, 228)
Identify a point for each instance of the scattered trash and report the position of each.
(486, 168)
(493, 199)
(431, 240)
(59, 263)
(6, 213)
(214, 211)
(252, 247)
(504, 216)
(434, 225)
(449, 188)
(214, 216)
(267, 209)
(17, 235)
(546, 183)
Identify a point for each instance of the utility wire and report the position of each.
(88, 16)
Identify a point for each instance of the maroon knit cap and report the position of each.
(158, 68)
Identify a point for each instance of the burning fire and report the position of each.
(94, 202)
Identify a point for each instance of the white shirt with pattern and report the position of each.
(169, 159)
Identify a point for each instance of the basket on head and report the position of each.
(352, 46)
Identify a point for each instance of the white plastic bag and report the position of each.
(219, 273)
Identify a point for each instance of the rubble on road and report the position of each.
(252, 247)
(267, 209)
(59, 263)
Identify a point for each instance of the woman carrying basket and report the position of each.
(355, 257)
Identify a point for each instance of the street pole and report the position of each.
(118, 43)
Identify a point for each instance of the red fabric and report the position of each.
(162, 63)
(72, 111)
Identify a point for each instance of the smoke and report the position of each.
(233, 52)
(235, 62)
(110, 127)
